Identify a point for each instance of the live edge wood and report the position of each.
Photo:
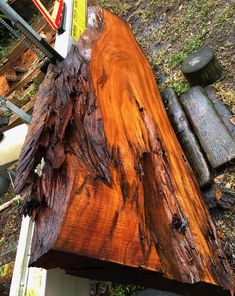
(186, 137)
(116, 192)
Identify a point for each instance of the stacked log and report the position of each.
(187, 139)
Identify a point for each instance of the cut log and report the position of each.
(221, 109)
(113, 197)
(201, 67)
(212, 134)
(186, 138)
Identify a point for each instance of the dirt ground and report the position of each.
(10, 221)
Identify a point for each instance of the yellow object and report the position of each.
(55, 19)
(79, 18)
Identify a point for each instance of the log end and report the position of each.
(201, 67)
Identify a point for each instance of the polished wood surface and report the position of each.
(116, 189)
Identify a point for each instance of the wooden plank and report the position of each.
(185, 135)
(32, 75)
(212, 134)
(114, 192)
(221, 109)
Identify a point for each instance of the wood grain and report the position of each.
(221, 109)
(214, 137)
(116, 192)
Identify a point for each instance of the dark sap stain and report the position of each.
(88, 193)
(103, 78)
(80, 189)
(139, 170)
(210, 235)
(91, 109)
(179, 224)
(145, 245)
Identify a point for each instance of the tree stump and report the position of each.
(201, 67)
(113, 197)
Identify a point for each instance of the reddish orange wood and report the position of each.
(116, 193)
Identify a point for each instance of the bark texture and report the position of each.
(116, 191)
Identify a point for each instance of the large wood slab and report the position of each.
(116, 196)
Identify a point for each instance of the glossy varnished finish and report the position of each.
(115, 187)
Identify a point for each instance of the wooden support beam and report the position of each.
(214, 137)
(115, 196)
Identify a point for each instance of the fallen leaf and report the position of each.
(218, 194)
(232, 119)
(219, 179)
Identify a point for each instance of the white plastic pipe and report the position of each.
(11, 145)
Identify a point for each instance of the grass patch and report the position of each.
(225, 17)
(124, 290)
(227, 94)
(3, 52)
